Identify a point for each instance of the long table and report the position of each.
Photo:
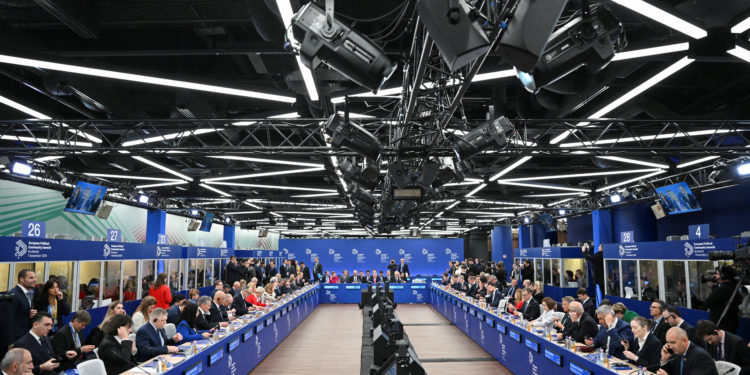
(240, 351)
(351, 293)
(520, 350)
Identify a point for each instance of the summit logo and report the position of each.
(621, 250)
(20, 249)
(308, 251)
(107, 250)
(689, 249)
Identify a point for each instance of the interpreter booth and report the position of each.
(204, 266)
(264, 255)
(562, 270)
(640, 272)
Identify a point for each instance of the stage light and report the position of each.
(526, 220)
(528, 31)
(453, 27)
(21, 169)
(353, 137)
(359, 193)
(743, 169)
(562, 212)
(586, 43)
(194, 212)
(143, 199)
(428, 175)
(615, 198)
(368, 177)
(483, 137)
(343, 49)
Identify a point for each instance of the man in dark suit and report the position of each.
(581, 326)
(283, 268)
(238, 303)
(204, 314)
(723, 345)
(233, 271)
(473, 287)
(270, 270)
(305, 270)
(23, 297)
(317, 270)
(392, 266)
(564, 323)
(646, 352)
(403, 268)
(660, 326)
(39, 345)
(672, 316)
(216, 309)
(612, 332)
(717, 301)
(173, 313)
(259, 273)
(396, 278)
(511, 292)
(69, 338)
(248, 270)
(530, 309)
(685, 358)
(493, 296)
(588, 304)
(151, 339)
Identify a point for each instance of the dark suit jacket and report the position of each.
(39, 353)
(233, 273)
(689, 329)
(473, 289)
(305, 273)
(717, 301)
(117, 358)
(566, 322)
(403, 268)
(735, 350)
(62, 342)
(283, 271)
(621, 331)
(202, 323)
(585, 327)
(649, 355)
(660, 330)
(590, 308)
(148, 343)
(530, 309)
(696, 362)
(95, 337)
(216, 315)
(494, 299)
(21, 307)
(239, 305)
(511, 291)
(173, 315)
(317, 270)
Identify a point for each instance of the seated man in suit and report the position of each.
(218, 314)
(672, 316)
(582, 326)
(647, 349)
(40, 347)
(204, 314)
(588, 304)
(530, 309)
(396, 278)
(723, 345)
(239, 305)
(117, 349)
(69, 338)
(660, 326)
(17, 362)
(151, 339)
(493, 296)
(612, 332)
(173, 313)
(562, 324)
(681, 357)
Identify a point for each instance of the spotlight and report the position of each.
(353, 137)
(20, 168)
(227, 220)
(194, 212)
(453, 27)
(343, 49)
(615, 198)
(143, 199)
(528, 31)
(368, 177)
(526, 220)
(475, 141)
(562, 212)
(743, 169)
(428, 174)
(359, 193)
(585, 43)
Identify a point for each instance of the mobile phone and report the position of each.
(670, 351)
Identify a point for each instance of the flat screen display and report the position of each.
(207, 221)
(85, 198)
(677, 199)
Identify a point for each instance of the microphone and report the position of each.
(130, 361)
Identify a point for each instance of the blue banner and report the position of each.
(207, 252)
(678, 250)
(259, 253)
(548, 252)
(423, 256)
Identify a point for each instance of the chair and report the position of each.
(629, 292)
(725, 368)
(91, 367)
(170, 330)
(96, 352)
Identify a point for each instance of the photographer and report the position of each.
(716, 302)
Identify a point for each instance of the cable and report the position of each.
(376, 18)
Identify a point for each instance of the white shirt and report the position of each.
(26, 294)
(614, 324)
(161, 338)
(37, 338)
(545, 320)
(642, 341)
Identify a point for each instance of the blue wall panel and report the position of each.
(638, 218)
(580, 229)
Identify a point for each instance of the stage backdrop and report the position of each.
(424, 256)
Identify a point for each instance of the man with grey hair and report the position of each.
(612, 332)
(217, 313)
(581, 326)
(530, 309)
(151, 339)
(228, 299)
(17, 362)
(204, 307)
(239, 305)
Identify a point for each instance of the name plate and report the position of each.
(195, 370)
(578, 370)
(417, 287)
(553, 357)
(473, 312)
(259, 328)
(533, 345)
(247, 335)
(490, 322)
(466, 307)
(269, 321)
(480, 316)
(233, 345)
(514, 335)
(397, 287)
(215, 357)
(352, 287)
(502, 328)
(330, 287)
(276, 316)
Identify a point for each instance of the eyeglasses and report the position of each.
(654, 307)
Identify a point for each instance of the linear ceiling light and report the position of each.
(163, 168)
(665, 18)
(575, 175)
(264, 174)
(658, 77)
(215, 190)
(543, 186)
(494, 75)
(279, 187)
(653, 51)
(610, 141)
(553, 195)
(269, 161)
(243, 213)
(634, 161)
(741, 53)
(166, 137)
(286, 12)
(511, 167)
(45, 140)
(742, 26)
(41, 116)
(697, 161)
(142, 78)
(330, 214)
(132, 177)
(315, 195)
(476, 190)
(504, 203)
(605, 188)
(161, 184)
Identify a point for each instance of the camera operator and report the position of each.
(716, 302)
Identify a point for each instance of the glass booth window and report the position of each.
(111, 282)
(574, 273)
(130, 277)
(5, 281)
(37, 267)
(674, 279)
(88, 292)
(613, 277)
(64, 273)
(555, 271)
(175, 271)
(210, 271)
(649, 280)
(201, 273)
(629, 279)
(700, 289)
(147, 276)
(547, 271)
(217, 270)
(539, 270)
(192, 265)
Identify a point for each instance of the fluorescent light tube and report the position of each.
(511, 167)
(644, 52)
(611, 141)
(741, 53)
(543, 186)
(163, 168)
(553, 195)
(665, 18)
(215, 190)
(635, 161)
(574, 175)
(131, 177)
(264, 174)
(166, 137)
(280, 187)
(697, 161)
(629, 181)
(476, 190)
(268, 161)
(315, 195)
(741, 27)
(45, 140)
(161, 184)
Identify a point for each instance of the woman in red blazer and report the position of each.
(160, 291)
(254, 297)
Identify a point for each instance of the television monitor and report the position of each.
(677, 199)
(207, 221)
(548, 221)
(85, 198)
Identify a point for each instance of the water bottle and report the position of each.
(641, 371)
(601, 356)
(194, 349)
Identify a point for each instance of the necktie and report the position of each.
(655, 325)
(76, 339)
(682, 363)
(161, 336)
(720, 353)
(30, 295)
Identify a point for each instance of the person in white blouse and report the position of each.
(268, 296)
(546, 321)
(142, 313)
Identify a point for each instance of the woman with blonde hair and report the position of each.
(268, 296)
(97, 334)
(141, 315)
(193, 295)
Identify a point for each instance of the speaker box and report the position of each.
(458, 37)
(104, 211)
(263, 233)
(658, 210)
(193, 225)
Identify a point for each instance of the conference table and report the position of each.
(241, 347)
(521, 350)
